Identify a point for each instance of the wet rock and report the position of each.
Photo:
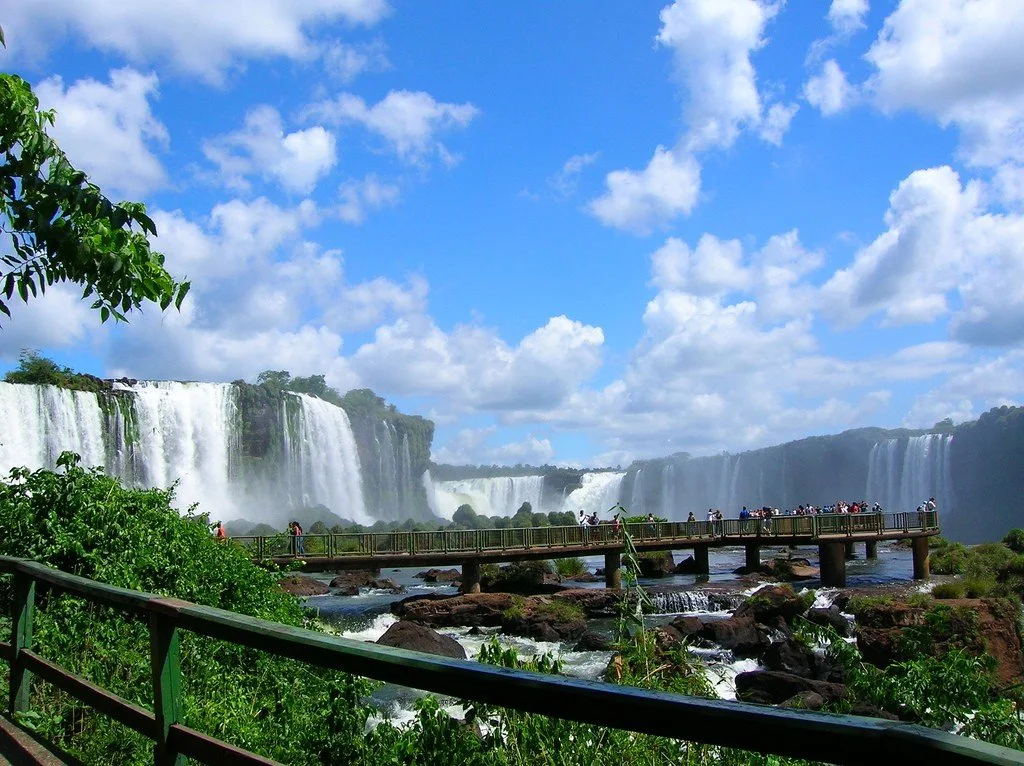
(349, 590)
(656, 564)
(830, 617)
(870, 711)
(772, 601)
(805, 700)
(440, 575)
(525, 578)
(584, 577)
(418, 638)
(483, 609)
(686, 566)
(298, 585)
(595, 602)
(797, 659)
(592, 642)
(740, 635)
(359, 578)
(771, 687)
(386, 583)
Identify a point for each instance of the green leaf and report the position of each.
(104, 314)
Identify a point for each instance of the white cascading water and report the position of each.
(40, 422)
(187, 433)
(902, 474)
(598, 492)
(636, 500)
(668, 491)
(491, 496)
(324, 459)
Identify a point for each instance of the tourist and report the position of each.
(691, 518)
(218, 531)
(583, 518)
(652, 524)
(295, 530)
(618, 524)
(593, 520)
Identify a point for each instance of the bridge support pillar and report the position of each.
(471, 577)
(871, 549)
(700, 559)
(612, 572)
(753, 556)
(832, 563)
(922, 567)
(850, 553)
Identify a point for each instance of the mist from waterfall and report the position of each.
(904, 473)
(490, 496)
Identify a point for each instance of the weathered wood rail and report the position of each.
(800, 734)
(832, 533)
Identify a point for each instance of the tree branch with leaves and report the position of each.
(61, 228)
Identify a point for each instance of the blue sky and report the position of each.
(568, 232)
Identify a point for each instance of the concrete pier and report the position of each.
(832, 563)
(753, 556)
(922, 566)
(470, 576)
(850, 553)
(871, 550)
(612, 570)
(701, 559)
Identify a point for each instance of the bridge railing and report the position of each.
(800, 734)
(455, 541)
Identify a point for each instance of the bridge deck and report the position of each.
(372, 550)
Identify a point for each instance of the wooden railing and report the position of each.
(454, 541)
(800, 734)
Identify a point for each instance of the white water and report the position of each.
(37, 423)
(324, 459)
(902, 474)
(492, 496)
(598, 492)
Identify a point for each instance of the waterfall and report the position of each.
(324, 459)
(683, 601)
(636, 501)
(40, 422)
(387, 473)
(407, 503)
(490, 496)
(668, 491)
(903, 473)
(597, 492)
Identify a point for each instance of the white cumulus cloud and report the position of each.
(829, 91)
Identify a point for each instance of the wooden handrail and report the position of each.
(520, 539)
(801, 734)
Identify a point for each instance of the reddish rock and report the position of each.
(298, 585)
(355, 578)
(482, 609)
(770, 687)
(441, 575)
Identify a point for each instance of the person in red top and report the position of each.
(219, 532)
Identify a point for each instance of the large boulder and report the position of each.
(386, 583)
(656, 564)
(298, 585)
(770, 602)
(595, 602)
(830, 617)
(484, 609)
(440, 575)
(544, 619)
(418, 638)
(979, 626)
(525, 578)
(800, 660)
(740, 635)
(771, 687)
(355, 578)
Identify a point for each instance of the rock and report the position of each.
(474, 631)
(360, 578)
(865, 709)
(797, 659)
(592, 642)
(979, 626)
(595, 602)
(584, 577)
(686, 566)
(350, 590)
(298, 585)
(483, 609)
(417, 638)
(769, 602)
(805, 700)
(741, 636)
(441, 575)
(770, 687)
(525, 578)
(656, 564)
(830, 617)
(387, 583)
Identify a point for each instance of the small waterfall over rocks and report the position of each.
(673, 602)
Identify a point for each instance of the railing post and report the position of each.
(165, 661)
(23, 611)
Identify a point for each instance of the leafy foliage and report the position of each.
(62, 228)
(33, 368)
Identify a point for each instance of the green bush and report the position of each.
(949, 559)
(978, 587)
(947, 590)
(570, 567)
(1014, 540)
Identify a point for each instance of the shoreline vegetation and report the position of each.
(84, 522)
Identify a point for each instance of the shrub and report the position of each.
(949, 559)
(1014, 540)
(978, 587)
(560, 610)
(570, 567)
(946, 590)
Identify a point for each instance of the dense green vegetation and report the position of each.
(37, 369)
(989, 569)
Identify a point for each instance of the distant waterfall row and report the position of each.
(157, 433)
(899, 473)
(504, 495)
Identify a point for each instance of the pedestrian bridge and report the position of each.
(834, 534)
